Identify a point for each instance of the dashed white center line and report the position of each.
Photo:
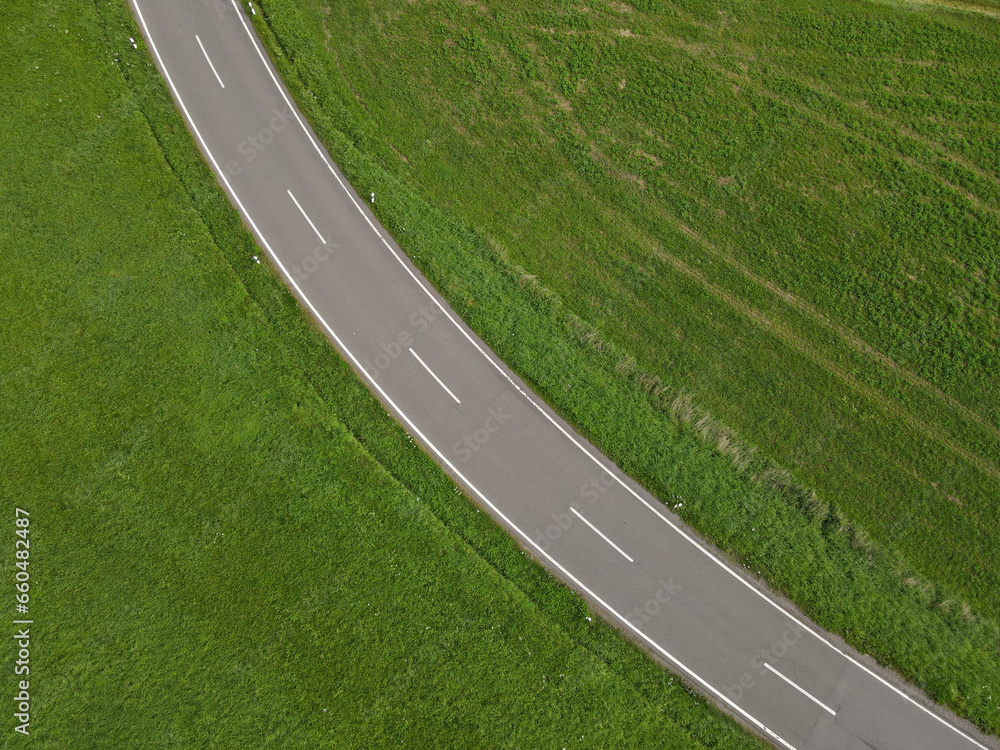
(417, 357)
(306, 216)
(601, 534)
(807, 695)
(209, 59)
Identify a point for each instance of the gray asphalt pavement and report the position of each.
(564, 501)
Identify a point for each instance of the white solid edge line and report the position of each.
(209, 60)
(813, 698)
(601, 534)
(723, 565)
(417, 356)
(444, 459)
(360, 369)
(305, 216)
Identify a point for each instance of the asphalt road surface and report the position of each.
(562, 499)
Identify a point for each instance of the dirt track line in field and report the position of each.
(802, 346)
(805, 111)
(855, 341)
(967, 7)
(833, 124)
(885, 120)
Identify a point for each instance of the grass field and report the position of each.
(762, 232)
(232, 545)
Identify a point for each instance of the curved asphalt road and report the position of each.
(563, 500)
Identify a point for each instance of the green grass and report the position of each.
(714, 226)
(232, 545)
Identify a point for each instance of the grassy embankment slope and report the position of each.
(778, 217)
(231, 544)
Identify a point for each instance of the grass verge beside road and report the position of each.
(657, 213)
(232, 544)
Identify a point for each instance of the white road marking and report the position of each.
(721, 697)
(601, 534)
(417, 356)
(209, 59)
(306, 217)
(807, 695)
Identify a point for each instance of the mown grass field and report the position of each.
(232, 545)
(759, 232)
